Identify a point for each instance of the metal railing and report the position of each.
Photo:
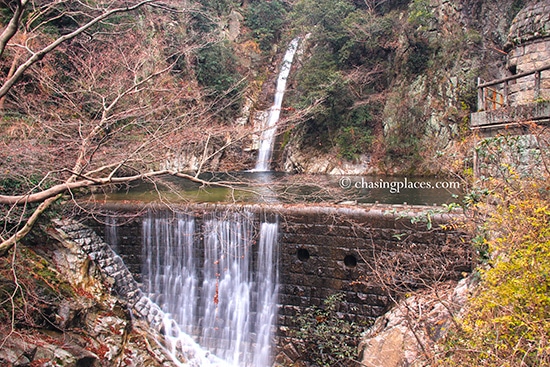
(490, 97)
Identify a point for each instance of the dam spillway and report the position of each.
(361, 252)
(217, 280)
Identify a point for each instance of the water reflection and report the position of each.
(270, 187)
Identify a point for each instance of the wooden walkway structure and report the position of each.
(497, 110)
(489, 97)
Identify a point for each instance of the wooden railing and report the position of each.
(491, 97)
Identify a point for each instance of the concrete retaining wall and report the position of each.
(366, 252)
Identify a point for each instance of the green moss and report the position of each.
(32, 287)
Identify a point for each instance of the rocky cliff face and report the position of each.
(440, 49)
(418, 81)
(60, 312)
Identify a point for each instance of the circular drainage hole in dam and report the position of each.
(303, 254)
(350, 261)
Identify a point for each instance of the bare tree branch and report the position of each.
(39, 55)
(72, 185)
(11, 29)
(7, 244)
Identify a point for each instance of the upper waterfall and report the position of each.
(268, 129)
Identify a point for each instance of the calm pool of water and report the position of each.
(251, 187)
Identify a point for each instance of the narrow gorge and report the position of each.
(274, 183)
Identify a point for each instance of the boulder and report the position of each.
(407, 334)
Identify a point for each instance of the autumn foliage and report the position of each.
(507, 319)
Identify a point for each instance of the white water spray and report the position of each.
(267, 139)
(213, 290)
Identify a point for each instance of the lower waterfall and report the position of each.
(216, 277)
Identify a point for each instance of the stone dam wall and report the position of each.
(365, 252)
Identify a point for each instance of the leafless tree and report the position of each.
(93, 102)
(96, 95)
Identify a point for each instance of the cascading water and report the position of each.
(169, 269)
(217, 284)
(111, 233)
(268, 133)
(267, 291)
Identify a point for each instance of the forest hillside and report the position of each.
(97, 94)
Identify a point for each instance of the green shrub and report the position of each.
(336, 121)
(328, 339)
(219, 7)
(352, 141)
(507, 321)
(266, 20)
(216, 67)
(216, 70)
(420, 14)
(12, 185)
(325, 20)
(419, 57)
